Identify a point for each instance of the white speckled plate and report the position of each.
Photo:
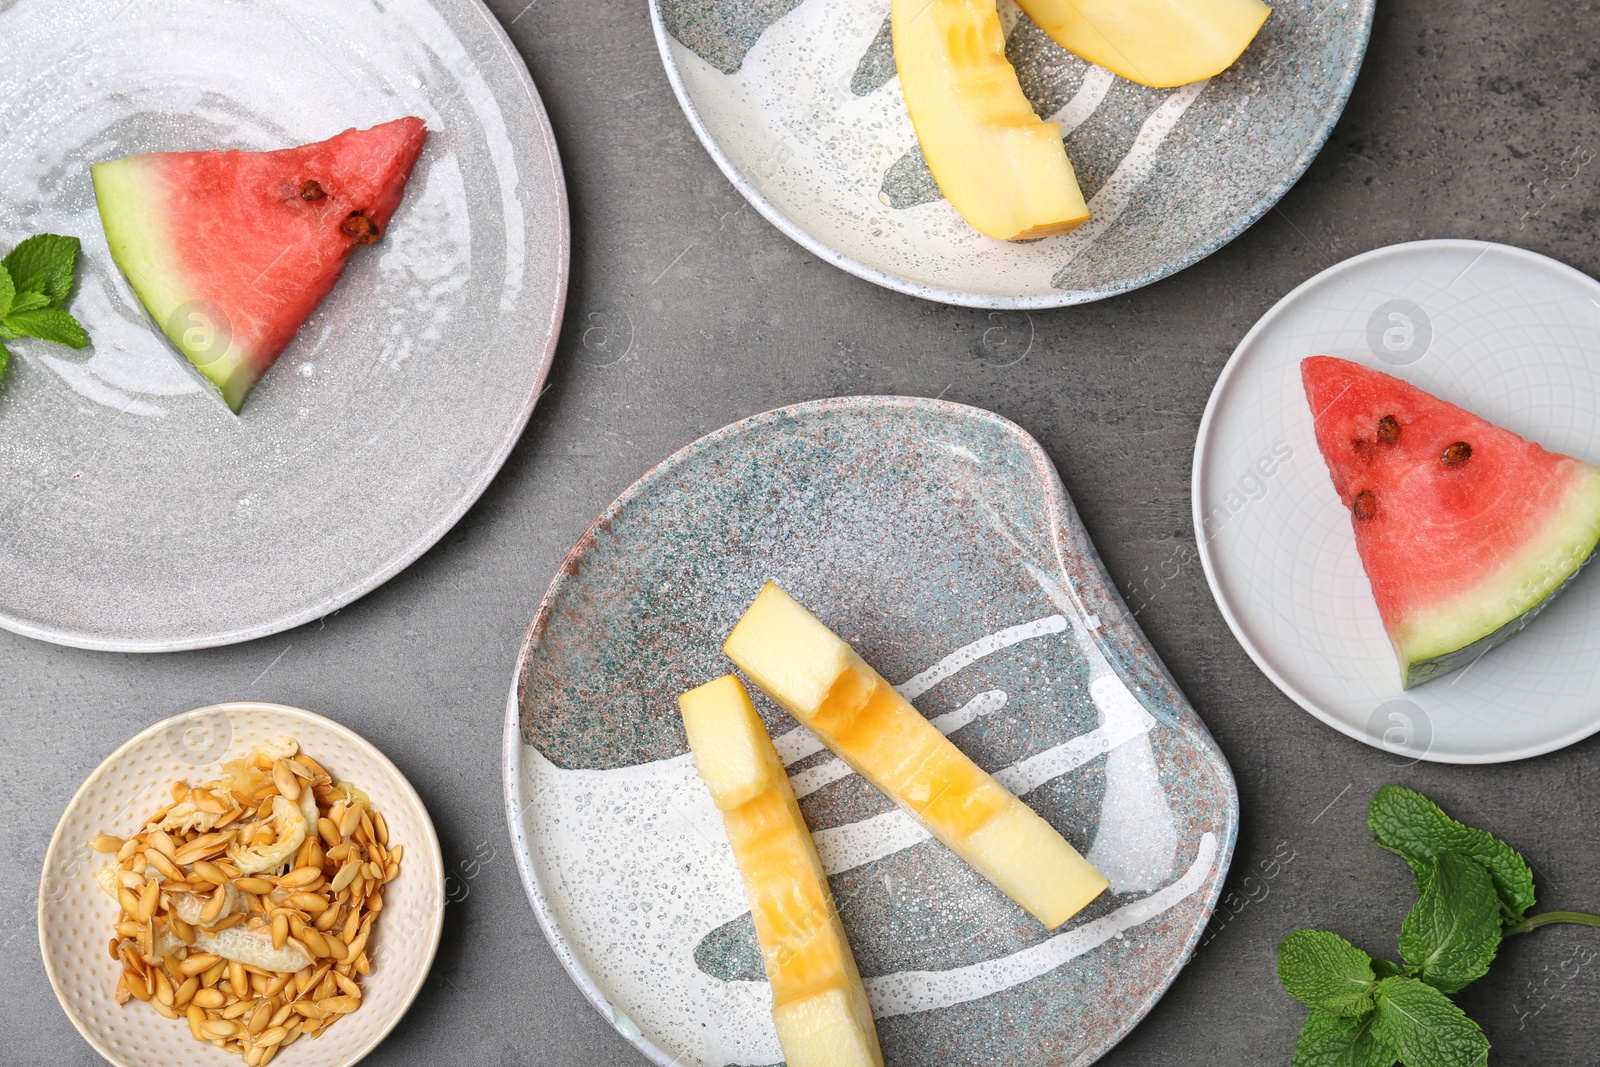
(937, 539)
(75, 915)
(136, 512)
(797, 102)
(1500, 331)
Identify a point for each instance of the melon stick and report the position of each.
(819, 1006)
(820, 680)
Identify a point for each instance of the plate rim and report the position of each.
(431, 837)
(1197, 514)
(1334, 107)
(471, 491)
(1061, 511)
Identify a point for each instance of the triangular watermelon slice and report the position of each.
(231, 251)
(1465, 529)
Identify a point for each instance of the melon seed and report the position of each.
(1388, 429)
(360, 227)
(1365, 505)
(1456, 454)
(312, 190)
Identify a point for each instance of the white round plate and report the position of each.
(75, 916)
(798, 103)
(136, 512)
(1500, 331)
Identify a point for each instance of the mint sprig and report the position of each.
(1473, 890)
(1412, 826)
(35, 282)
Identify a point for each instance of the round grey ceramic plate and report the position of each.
(136, 512)
(1501, 331)
(938, 540)
(797, 101)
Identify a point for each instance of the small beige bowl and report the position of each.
(75, 917)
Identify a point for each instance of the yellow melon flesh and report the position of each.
(995, 161)
(1153, 42)
(819, 679)
(819, 1007)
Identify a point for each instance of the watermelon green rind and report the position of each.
(1454, 633)
(128, 193)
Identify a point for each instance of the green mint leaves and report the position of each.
(1451, 936)
(1410, 825)
(44, 264)
(1327, 972)
(1472, 890)
(1329, 1041)
(1424, 1028)
(35, 281)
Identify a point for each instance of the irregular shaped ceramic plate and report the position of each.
(939, 541)
(137, 512)
(798, 103)
(1501, 331)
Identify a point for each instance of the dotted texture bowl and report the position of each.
(798, 102)
(137, 512)
(938, 540)
(75, 916)
(1501, 331)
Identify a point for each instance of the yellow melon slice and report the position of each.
(821, 681)
(818, 1004)
(997, 163)
(1153, 42)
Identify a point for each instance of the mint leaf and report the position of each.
(1384, 969)
(5, 358)
(1330, 1041)
(48, 324)
(1424, 1028)
(1410, 825)
(1454, 931)
(8, 290)
(27, 302)
(44, 264)
(1327, 972)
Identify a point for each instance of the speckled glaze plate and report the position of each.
(136, 512)
(937, 539)
(1501, 331)
(798, 102)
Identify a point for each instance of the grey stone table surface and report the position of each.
(688, 311)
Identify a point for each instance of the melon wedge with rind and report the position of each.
(1002, 167)
(1162, 43)
(819, 1006)
(819, 679)
(230, 251)
(1462, 554)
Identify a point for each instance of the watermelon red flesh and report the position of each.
(226, 252)
(1460, 554)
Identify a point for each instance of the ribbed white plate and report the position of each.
(1500, 331)
(75, 915)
